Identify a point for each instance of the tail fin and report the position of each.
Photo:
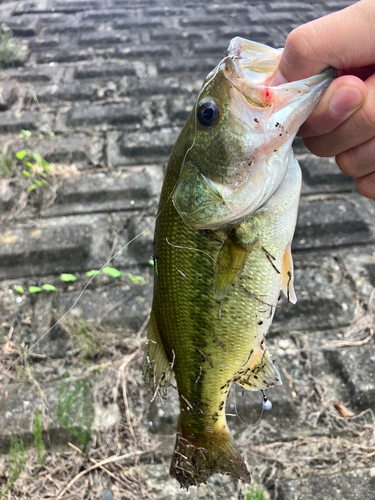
(198, 456)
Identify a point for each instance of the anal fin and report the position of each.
(157, 367)
(231, 260)
(261, 372)
(287, 276)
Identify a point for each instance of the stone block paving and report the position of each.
(102, 95)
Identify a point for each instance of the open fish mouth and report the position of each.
(250, 67)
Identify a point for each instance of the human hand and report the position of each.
(343, 123)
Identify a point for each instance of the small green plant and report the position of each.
(255, 493)
(34, 167)
(37, 431)
(49, 288)
(27, 163)
(17, 463)
(93, 272)
(12, 51)
(25, 134)
(111, 271)
(36, 289)
(76, 410)
(67, 277)
(136, 279)
(6, 47)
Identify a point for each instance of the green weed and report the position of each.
(37, 431)
(136, 279)
(75, 409)
(6, 165)
(111, 271)
(68, 277)
(84, 335)
(17, 463)
(255, 493)
(6, 47)
(13, 52)
(33, 167)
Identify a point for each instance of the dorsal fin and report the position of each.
(287, 276)
(157, 367)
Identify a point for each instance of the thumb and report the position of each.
(342, 40)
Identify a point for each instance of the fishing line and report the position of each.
(235, 405)
(190, 248)
(215, 70)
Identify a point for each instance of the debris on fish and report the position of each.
(222, 242)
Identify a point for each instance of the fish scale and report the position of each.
(222, 250)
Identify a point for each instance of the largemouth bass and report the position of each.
(226, 220)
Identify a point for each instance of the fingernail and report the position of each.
(345, 100)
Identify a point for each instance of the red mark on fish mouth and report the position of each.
(267, 96)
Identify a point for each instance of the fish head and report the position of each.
(241, 131)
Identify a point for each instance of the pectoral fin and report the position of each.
(287, 276)
(157, 367)
(261, 373)
(231, 260)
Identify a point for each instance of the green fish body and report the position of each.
(222, 242)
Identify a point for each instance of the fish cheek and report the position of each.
(193, 199)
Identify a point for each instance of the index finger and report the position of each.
(342, 40)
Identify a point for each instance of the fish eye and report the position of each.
(208, 113)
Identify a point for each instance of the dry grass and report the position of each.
(73, 474)
(329, 441)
